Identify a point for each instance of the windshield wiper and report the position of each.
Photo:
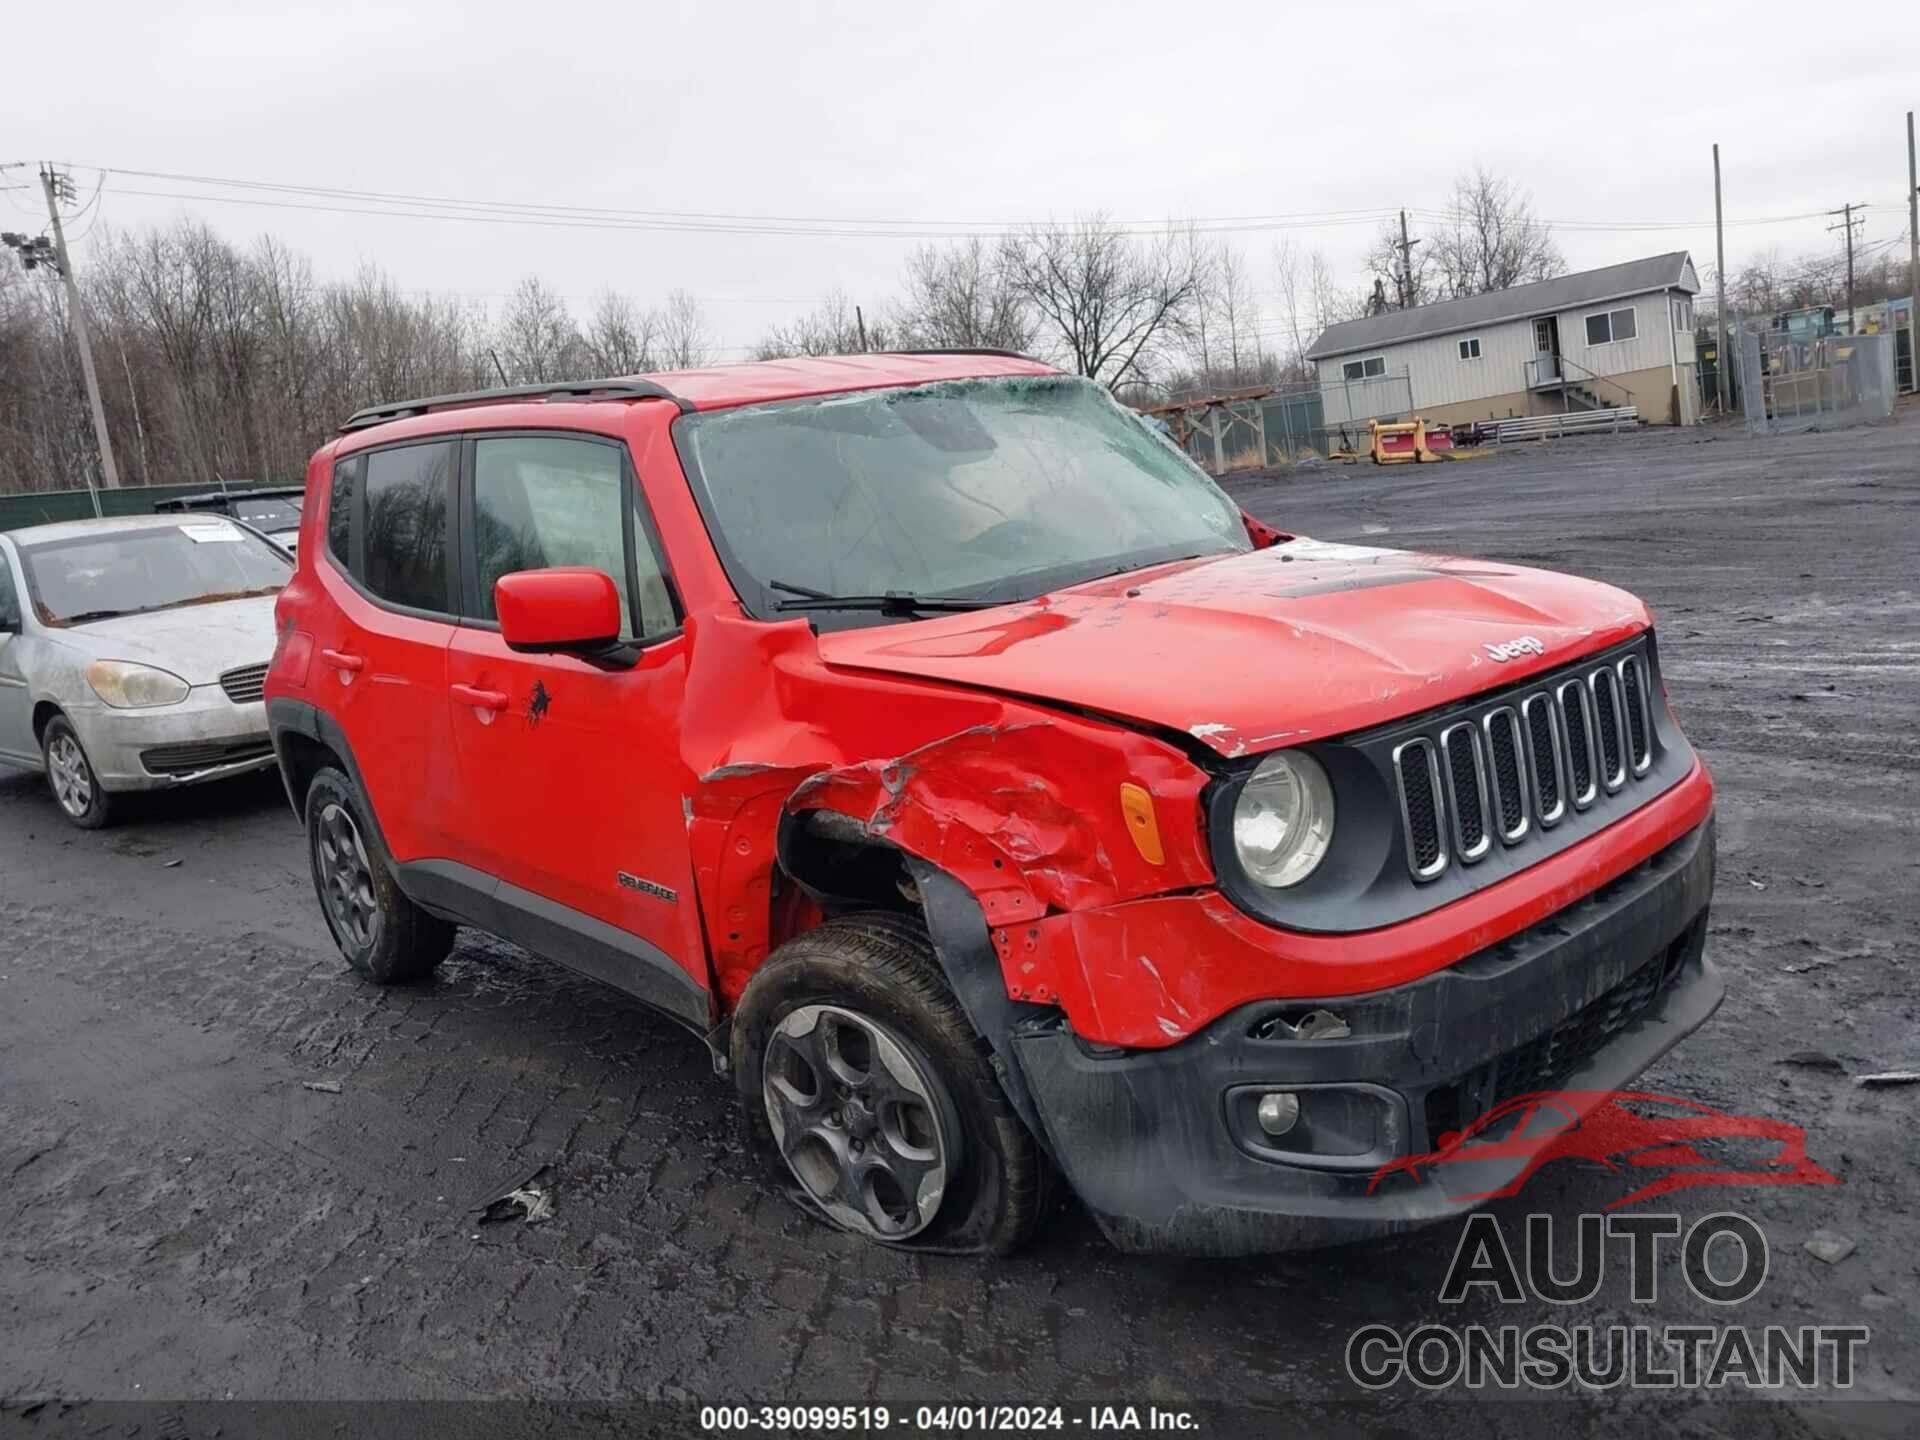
(87, 617)
(894, 602)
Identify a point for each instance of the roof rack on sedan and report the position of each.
(568, 390)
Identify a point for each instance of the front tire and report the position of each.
(76, 789)
(383, 934)
(862, 1074)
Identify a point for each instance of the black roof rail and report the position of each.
(572, 389)
(968, 350)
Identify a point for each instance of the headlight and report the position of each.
(1283, 820)
(127, 686)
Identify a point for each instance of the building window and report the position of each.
(1682, 314)
(1609, 326)
(1371, 368)
(1470, 348)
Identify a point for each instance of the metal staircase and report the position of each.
(1577, 386)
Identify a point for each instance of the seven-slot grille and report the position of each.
(245, 685)
(1522, 764)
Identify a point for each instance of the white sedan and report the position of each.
(133, 652)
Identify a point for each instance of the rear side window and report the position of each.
(405, 520)
(346, 485)
(9, 598)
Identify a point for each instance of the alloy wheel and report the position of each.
(72, 777)
(865, 1127)
(346, 876)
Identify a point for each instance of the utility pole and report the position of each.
(1405, 278)
(1848, 224)
(57, 186)
(1913, 249)
(860, 320)
(1722, 367)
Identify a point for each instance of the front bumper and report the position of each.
(1585, 1000)
(204, 737)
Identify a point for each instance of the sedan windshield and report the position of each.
(990, 490)
(128, 572)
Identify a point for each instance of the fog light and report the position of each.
(1278, 1112)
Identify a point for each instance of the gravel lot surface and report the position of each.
(182, 1218)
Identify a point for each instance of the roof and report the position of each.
(719, 387)
(80, 529)
(1672, 271)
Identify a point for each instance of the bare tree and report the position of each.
(619, 337)
(538, 341)
(1331, 303)
(681, 327)
(216, 362)
(1222, 339)
(1112, 303)
(1296, 312)
(1492, 240)
(960, 298)
(832, 329)
(1237, 313)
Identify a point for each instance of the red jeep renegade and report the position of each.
(990, 794)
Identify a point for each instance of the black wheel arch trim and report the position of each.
(569, 937)
(467, 896)
(957, 926)
(296, 717)
(964, 947)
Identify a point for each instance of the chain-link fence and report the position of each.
(1791, 381)
(1291, 422)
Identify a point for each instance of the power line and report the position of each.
(410, 213)
(1364, 213)
(422, 206)
(93, 205)
(1641, 225)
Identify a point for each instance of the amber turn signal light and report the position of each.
(1137, 805)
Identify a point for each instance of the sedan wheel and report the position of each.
(70, 775)
(861, 1122)
(71, 779)
(346, 877)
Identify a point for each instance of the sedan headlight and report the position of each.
(1283, 819)
(127, 686)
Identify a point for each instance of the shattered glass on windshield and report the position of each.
(987, 489)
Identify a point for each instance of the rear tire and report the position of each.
(383, 934)
(864, 1079)
(70, 776)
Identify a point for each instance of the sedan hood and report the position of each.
(199, 643)
(1272, 648)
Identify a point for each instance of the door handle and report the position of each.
(340, 660)
(478, 699)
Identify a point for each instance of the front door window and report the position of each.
(543, 500)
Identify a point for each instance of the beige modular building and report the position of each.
(1620, 335)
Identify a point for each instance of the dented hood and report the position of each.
(1271, 648)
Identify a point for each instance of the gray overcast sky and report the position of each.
(987, 112)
